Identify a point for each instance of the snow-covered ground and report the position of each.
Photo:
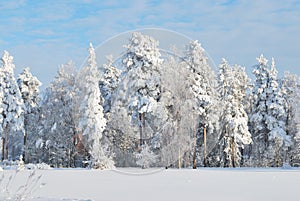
(160, 184)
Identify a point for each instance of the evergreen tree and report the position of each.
(109, 84)
(233, 83)
(204, 87)
(268, 118)
(11, 109)
(137, 99)
(91, 121)
(29, 88)
(290, 85)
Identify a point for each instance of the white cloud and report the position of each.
(236, 30)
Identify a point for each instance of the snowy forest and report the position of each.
(151, 108)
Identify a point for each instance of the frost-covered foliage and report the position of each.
(102, 156)
(204, 88)
(91, 121)
(233, 84)
(136, 103)
(268, 117)
(11, 109)
(146, 157)
(109, 83)
(151, 108)
(177, 138)
(29, 88)
(142, 52)
(58, 116)
(290, 85)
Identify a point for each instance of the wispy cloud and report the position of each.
(237, 30)
(10, 5)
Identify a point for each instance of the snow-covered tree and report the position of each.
(178, 133)
(91, 122)
(204, 87)
(268, 118)
(109, 83)
(258, 124)
(290, 85)
(139, 93)
(58, 116)
(29, 88)
(146, 157)
(11, 108)
(233, 84)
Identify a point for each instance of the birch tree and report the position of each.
(54, 142)
(179, 131)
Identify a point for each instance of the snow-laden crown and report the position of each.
(142, 49)
(7, 62)
(195, 54)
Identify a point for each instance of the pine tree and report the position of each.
(278, 113)
(268, 118)
(204, 87)
(290, 86)
(257, 122)
(233, 84)
(109, 84)
(137, 99)
(29, 88)
(11, 108)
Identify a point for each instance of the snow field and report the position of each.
(185, 184)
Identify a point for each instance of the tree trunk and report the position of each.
(204, 145)
(195, 157)
(242, 156)
(24, 146)
(277, 158)
(24, 138)
(6, 142)
(3, 148)
(195, 149)
(179, 159)
(142, 129)
(233, 152)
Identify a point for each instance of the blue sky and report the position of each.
(45, 34)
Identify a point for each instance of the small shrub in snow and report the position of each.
(146, 157)
(39, 166)
(19, 165)
(286, 166)
(9, 165)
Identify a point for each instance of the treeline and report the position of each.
(151, 108)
